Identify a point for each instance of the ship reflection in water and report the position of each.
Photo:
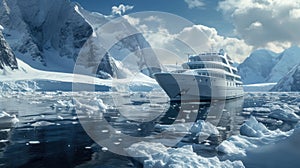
(48, 135)
(225, 115)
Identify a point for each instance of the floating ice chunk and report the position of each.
(252, 128)
(34, 142)
(248, 109)
(100, 104)
(104, 149)
(4, 114)
(8, 119)
(64, 103)
(283, 153)
(294, 107)
(4, 141)
(284, 115)
(178, 127)
(42, 123)
(200, 127)
(203, 127)
(15, 120)
(157, 155)
(35, 102)
(254, 135)
(257, 109)
(93, 108)
(230, 147)
(60, 117)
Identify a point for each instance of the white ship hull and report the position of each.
(186, 87)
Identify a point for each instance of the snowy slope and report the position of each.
(26, 78)
(49, 35)
(290, 82)
(7, 58)
(264, 66)
(285, 62)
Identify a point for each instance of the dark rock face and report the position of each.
(42, 25)
(7, 57)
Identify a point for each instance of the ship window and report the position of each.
(234, 71)
(224, 61)
(230, 78)
(192, 66)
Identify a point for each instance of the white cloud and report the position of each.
(195, 3)
(190, 39)
(133, 21)
(197, 38)
(265, 23)
(202, 39)
(121, 9)
(159, 38)
(278, 46)
(295, 13)
(255, 25)
(153, 18)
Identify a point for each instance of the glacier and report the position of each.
(26, 78)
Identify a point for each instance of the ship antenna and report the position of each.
(188, 56)
(212, 48)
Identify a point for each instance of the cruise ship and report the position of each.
(205, 77)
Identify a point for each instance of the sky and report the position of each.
(205, 13)
(238, 26)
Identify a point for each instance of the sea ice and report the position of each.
(253, 135)
(7, 119)
(284, 115)
(200, 127)
(158, 155)
(42, 124)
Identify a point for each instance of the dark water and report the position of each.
(49, 133)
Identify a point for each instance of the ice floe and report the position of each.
(7, 120)
(158, 155)
(253, 135)
(199, 128)
(285, 115)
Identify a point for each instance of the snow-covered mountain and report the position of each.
(7, 58)
(49, 35)
(264, 66)
(257, 67)
(285, 62)
(291, 82)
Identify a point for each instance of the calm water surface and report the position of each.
(49, 133)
